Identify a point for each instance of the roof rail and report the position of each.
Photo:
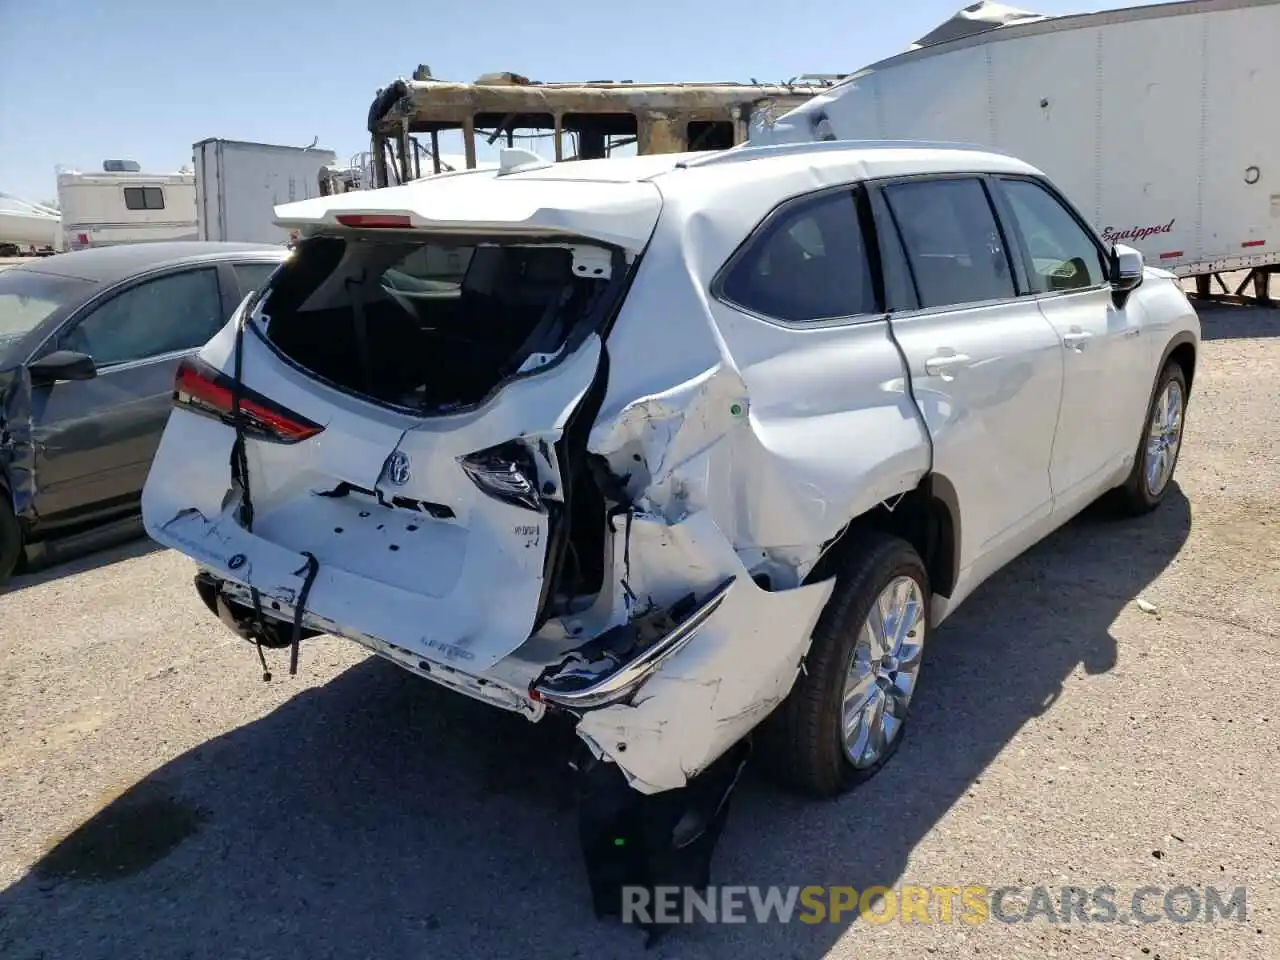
(746, 151)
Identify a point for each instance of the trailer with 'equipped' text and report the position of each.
(1151, 119)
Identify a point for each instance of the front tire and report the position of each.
(1159, 446)
(845, 716)
(10, 539)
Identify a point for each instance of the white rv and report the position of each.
(1151, 119)
(121, 204)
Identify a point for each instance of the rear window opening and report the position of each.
(432, 326)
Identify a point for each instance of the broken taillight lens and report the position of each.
(506, 472)
(203, 389)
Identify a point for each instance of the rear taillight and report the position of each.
(385, 221)
(202, 389)
(506, 472)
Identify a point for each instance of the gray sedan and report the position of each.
(89, 345)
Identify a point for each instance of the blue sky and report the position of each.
(84, 80)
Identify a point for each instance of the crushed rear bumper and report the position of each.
(718, 655)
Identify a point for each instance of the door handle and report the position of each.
(1076, 338)
(941, 364)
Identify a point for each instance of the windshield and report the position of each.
(27, 297)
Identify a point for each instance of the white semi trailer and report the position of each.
(1158, 121)
(239, 184)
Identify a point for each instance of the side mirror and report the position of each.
(1126, 271)
(63, 365)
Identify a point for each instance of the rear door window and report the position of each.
(807, 262)
(952, 241)
(178, 311)
(252, 275)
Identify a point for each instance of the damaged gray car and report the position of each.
(695, 450)
(89, 344)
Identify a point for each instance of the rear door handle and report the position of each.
(1076, 338)
(941, 364)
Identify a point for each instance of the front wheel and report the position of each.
(10, 539)
(1160, 444)
(845, 716)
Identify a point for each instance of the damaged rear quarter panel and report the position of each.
(746, 445)
(783, 433)
(722, 683)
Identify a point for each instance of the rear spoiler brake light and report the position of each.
(390, 221)
(202, 389)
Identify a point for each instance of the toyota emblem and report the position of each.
(397, 468)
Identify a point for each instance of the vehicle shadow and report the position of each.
(1234, 321)
(380, 816)
(50, 565)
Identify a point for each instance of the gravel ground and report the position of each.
(158, 799)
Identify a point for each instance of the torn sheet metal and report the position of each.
(610, 666)
(975, 19)
(719, 686)
(781, 439)
(17, 447)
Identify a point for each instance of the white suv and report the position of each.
(681, 446)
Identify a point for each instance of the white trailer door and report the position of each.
(1241, 138)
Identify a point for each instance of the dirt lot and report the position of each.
(158, 799)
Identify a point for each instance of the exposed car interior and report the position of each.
(424, 325)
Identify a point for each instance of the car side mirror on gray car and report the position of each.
(1126, 271)
(63, 365)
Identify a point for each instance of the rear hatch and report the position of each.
(408, 406)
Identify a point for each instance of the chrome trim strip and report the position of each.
(621, 682)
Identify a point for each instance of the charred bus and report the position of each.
(580, 120)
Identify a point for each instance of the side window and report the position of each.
(952, 242)
(808, 262)
(144, 198)
(180, 311)
(253, 276)
(1063, 256)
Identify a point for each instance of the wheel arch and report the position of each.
(927, 517)
(1181, 349)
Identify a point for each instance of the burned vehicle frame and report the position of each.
(599, 116)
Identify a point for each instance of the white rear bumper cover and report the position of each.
(694, 705)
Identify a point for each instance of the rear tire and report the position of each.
(1159, 445)
(10, 539)
(811, 743)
